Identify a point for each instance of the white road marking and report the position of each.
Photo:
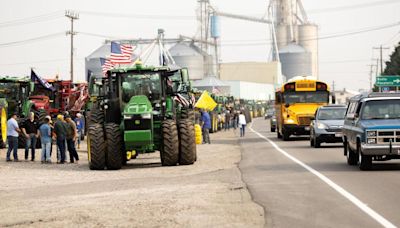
(373, 214)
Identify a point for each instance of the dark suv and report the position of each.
(371, 130)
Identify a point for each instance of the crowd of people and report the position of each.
(227, 120)
(65, 133)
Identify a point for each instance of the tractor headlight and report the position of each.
(146, 116)
(127, 117)
(371, 133)
(105, 106)
(321, 126)
(371, 141)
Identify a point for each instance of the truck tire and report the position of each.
(364, 161)
(96, 115)
(114, 146)
(96, 147)
(187, 143)
(351, 156)
(3, 127)
(170, 143)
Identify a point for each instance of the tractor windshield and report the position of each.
(9, 90)
(141, 84)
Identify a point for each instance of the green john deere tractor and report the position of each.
(14, 94)
(138, 110)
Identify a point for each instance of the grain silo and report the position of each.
(185, 55)
(307, 38)
(295, 61)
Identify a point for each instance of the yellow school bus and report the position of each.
(295, 105)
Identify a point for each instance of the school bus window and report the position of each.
(306, 97)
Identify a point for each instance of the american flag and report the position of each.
(121, 54)
(106, 65)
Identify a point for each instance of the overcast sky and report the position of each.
(342, 59)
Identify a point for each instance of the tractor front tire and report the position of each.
(96, 147)
(170, 143)
(114, 146)
(187, 143)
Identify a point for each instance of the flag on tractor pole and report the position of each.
(205, 102)
(215, 90)
(121, 54)
(43, 82)
(106, 65)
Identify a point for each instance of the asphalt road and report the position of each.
(294, 196)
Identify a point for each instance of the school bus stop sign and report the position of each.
(386, 80)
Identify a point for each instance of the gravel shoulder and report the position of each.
(142, 194)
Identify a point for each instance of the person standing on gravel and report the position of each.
(12, 137)
(80, 126)
(30, 132)
(242, 123)
(206, 125)
(71, 138)
(45, 138)
(60, 129)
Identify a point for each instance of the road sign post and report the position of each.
(384, 82)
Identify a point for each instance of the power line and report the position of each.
(29, 20)
(137, 16)
(39, 61)
(352, 7)
(22, 42)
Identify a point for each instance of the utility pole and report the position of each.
(72, 16)
(370, 75)
(381, 48)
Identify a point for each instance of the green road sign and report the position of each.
(387, 80)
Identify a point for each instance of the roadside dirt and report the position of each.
(209, 193)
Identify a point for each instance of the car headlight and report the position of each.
(321, 126)
(371, 133)
(146, 116)
(289, 121)
(371, 141)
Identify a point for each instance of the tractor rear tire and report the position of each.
(114, 146)
(187, 143)
(170, 143)
(188, 114)
(3, 127)
(96, 115)
(96, 147)
(41, 115)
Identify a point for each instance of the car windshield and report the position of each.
(306, 97)
(141, 84)
(331, 114)
(381, 109)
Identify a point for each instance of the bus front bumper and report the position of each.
(296, 129)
